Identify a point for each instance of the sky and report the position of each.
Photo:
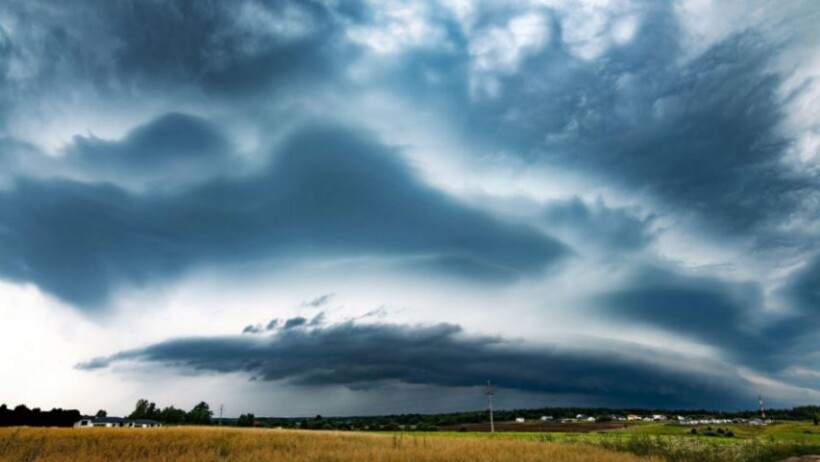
(359, 207)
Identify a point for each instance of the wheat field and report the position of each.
(204, 444)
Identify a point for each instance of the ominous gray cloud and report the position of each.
(707, 310)
(172, 148)
(612, 228)
(804, 290)
(292, 323)
(701, 136)
(365, 355)
(328, 191)
(136, 49)
(695, 137)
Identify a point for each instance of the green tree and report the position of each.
(246, 420)
(200, 414)
(101, 413)
(172, 415)
(140, 410)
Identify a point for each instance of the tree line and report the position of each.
(23, 416)
(200, 414)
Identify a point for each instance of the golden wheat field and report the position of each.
(201, 444)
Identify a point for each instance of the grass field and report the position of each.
(676, 443)
(656, 442)
(205, 444)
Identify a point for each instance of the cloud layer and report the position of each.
(615, 180)
(328, 191)
(365, 355)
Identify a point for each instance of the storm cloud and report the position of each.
(328, 191)
(623, 174)
(365, 355)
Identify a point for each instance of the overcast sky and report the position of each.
(352, 207)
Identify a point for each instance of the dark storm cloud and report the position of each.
(328, 191)
(702, 137)
(131, 47)
(612, 228)
(803, 290)
(172, 138)
(292, 323)
(725, 315)
(366, 355)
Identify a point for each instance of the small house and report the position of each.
(144, 423)
(113, 422)
(519, 420)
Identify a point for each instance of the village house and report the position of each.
(112, 422)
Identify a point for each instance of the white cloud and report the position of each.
(398, 26)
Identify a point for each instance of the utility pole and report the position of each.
(220, 415)
(762, 409)
(490, 394)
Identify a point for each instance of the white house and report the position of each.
(519, 420)
(112, 422)
(546, 417)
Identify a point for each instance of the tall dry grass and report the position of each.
(245, 445)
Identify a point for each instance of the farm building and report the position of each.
(111, 422)
(519, 420)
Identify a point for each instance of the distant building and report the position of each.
(633, 417)
(546, 417)
(658, 417)
(112, 422)
(519, 420)
(144, 423)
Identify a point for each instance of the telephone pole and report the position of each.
(762, 409)
(490, 394)
(220, 415)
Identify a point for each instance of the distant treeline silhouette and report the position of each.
(22, 415)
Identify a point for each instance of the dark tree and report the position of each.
(246, 420)
(200, 414)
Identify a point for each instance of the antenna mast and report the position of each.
(490, 394)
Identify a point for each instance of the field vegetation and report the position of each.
(206, 444)
(678, 443)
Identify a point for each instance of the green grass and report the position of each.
(676, 443)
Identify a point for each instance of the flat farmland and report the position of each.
(542, 427)
(209, 444)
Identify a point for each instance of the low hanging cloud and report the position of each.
(329, 191)
(366, 355)
(727, 316)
